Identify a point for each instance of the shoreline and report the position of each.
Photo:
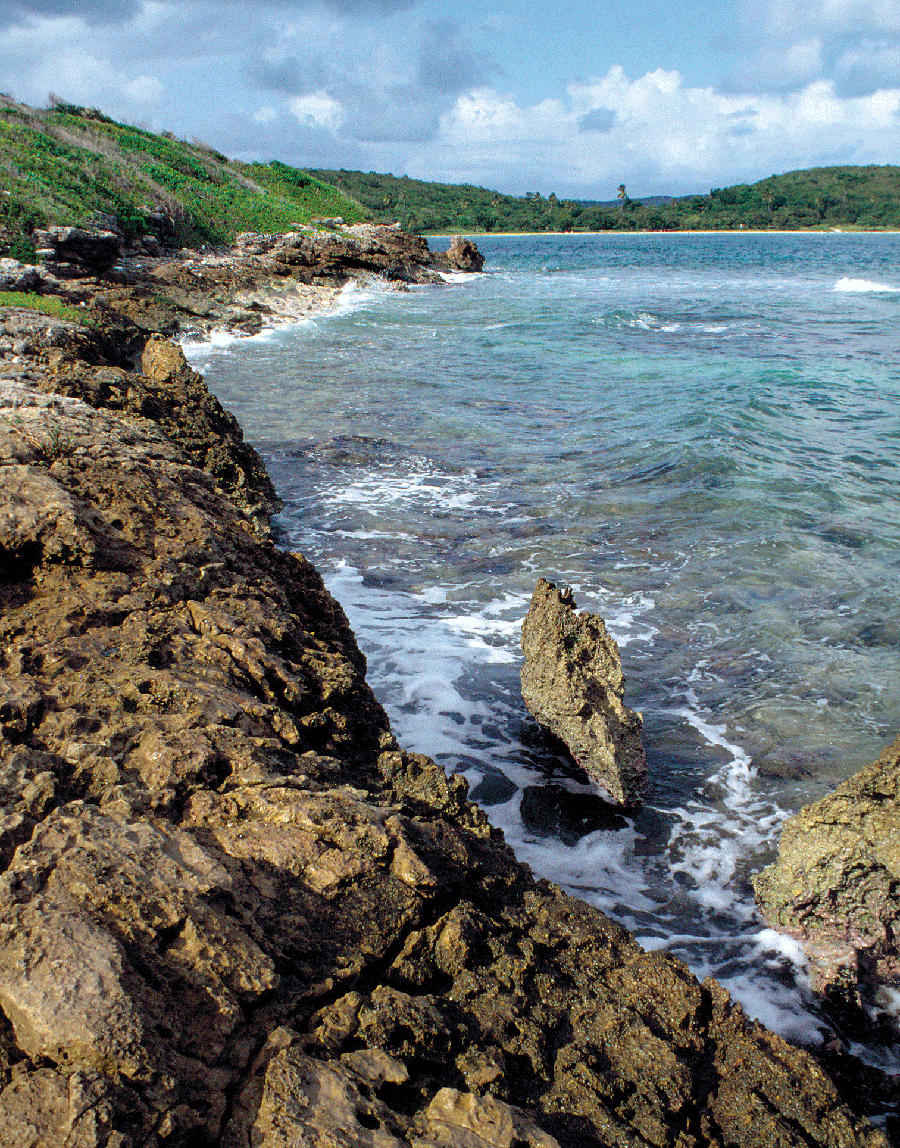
(289, 926)
(712, 231)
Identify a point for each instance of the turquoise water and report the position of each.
(698, 433)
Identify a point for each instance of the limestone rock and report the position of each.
(456, 1119)
(572, 682)
(15, 276)
(834, 886)
(461, 255)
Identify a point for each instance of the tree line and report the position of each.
(865, 197)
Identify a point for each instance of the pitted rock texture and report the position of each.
(65, 358)
(234, 913)
(572, 682)
(835, 885)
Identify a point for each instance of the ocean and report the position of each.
(699, 433)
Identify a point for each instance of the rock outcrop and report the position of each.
(262, 280)
(16, 276)
(835, 885)
(75, 249)
(461, 255)
(233, 911)
(572, 682)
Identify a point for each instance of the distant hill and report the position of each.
(824, 197)
(72, 165)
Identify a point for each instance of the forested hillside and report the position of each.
(72, 165)
(819, 197)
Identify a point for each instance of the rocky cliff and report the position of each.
(233, 911)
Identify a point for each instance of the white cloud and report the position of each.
(318, 108)
(790, 43)
(143, 89)
(666, 136)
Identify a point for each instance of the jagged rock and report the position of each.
(572, 682)
(834, 886)
(461, 255)
(93, 248)
(16, 276)
(364, 247)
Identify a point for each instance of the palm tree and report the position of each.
(622, 196)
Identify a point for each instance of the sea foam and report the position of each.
(863, 286)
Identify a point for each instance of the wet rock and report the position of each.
(572, 682)
(834, 884)
(461, 255)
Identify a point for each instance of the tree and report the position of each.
(623, 198)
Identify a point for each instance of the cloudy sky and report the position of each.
(667, 96)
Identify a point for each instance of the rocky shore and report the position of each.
(233, 911)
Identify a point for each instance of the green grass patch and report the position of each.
(67, 165)
(46, 305)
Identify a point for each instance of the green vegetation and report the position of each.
(46, 304)
(72, 165)
(865, 197)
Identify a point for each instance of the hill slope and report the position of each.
(819, 197)
(73, 165)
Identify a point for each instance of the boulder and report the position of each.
(16, 276)
(91, 248)
(462, 255)
(835, 885)
(572, 682)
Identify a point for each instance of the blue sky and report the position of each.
(667, 96)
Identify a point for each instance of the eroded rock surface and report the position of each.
(461, 255)
(232, 911)
(835, 886)
(572, 682)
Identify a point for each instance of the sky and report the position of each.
(665, 96)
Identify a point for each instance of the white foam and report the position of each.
(417, 658)
(863, 286)
(425, 488)
(461, 276)
(219, 343)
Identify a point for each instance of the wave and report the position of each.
(219, 342)
(863, 286)
(637, 320)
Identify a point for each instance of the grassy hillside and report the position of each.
(67, 164)
(819, 198)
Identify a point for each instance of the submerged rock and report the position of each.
(835, 885)
(572, 682)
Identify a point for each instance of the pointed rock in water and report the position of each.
(461, 255)
(572, 682)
